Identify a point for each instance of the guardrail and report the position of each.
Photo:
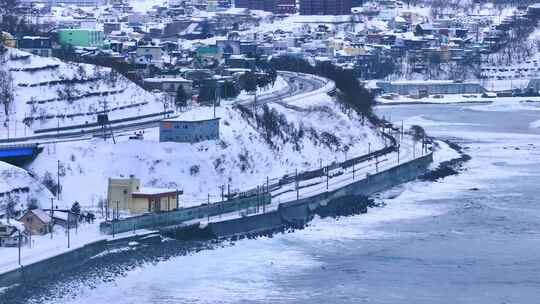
(328, 87)
(179, 216)
(89, 129)
(254, 197)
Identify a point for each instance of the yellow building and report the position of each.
(126, 194)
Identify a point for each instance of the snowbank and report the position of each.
(50, 93)
(244, 157)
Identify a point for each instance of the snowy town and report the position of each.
(137, 134)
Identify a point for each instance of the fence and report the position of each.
(176, 217)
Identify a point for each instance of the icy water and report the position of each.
(472, 238)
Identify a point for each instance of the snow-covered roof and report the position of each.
(42, 215)
(166, 79)
(12, 223)
(153, 191)
(428, 82)
(61, 215)
(35, 37)
(426, 26)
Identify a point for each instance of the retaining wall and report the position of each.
(53, 265)
(294, 213)
(298, 213)
(155, 220)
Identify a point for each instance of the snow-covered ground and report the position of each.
(40, 247)
(19, 187)
(314, 130)
(53, 93)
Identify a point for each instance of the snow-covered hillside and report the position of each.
(304, 133)
(20, 190)
(49, 92)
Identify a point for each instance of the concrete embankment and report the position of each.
(296, 214)
(68, 260)
(349, 199)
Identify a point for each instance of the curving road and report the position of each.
(298, 84)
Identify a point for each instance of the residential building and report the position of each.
(63, 217)
(325, 7)
(40, 46)
(81, 37)
(126, 194)
(168, 84)
(274, 6)
(149, 54)
(188, 131)
(36, 221)
(7, 39)
(285, 7)
(431, 87)
(10, 232)
(228, 47)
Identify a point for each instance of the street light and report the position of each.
(19, 247)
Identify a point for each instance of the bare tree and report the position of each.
(6, 90)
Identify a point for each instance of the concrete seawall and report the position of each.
(57, 264)
(296, 214)
(290, 214)
(66, 261)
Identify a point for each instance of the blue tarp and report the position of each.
(16, 152)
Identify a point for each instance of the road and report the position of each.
(298, 84)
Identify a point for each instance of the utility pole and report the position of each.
(327, 177)
(58, 180)
(297, 186)
(68, 231)
(258, 199)
(401, 131)
(255, 105)
(103, 127)
(52, 214)
(208, 208)
(353, 171)
(19, 247)
(222, 188)
(321, 166)
(267, 193)
(215, 98)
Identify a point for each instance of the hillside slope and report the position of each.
(20, 189)
(49, 93)
(281, 139)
